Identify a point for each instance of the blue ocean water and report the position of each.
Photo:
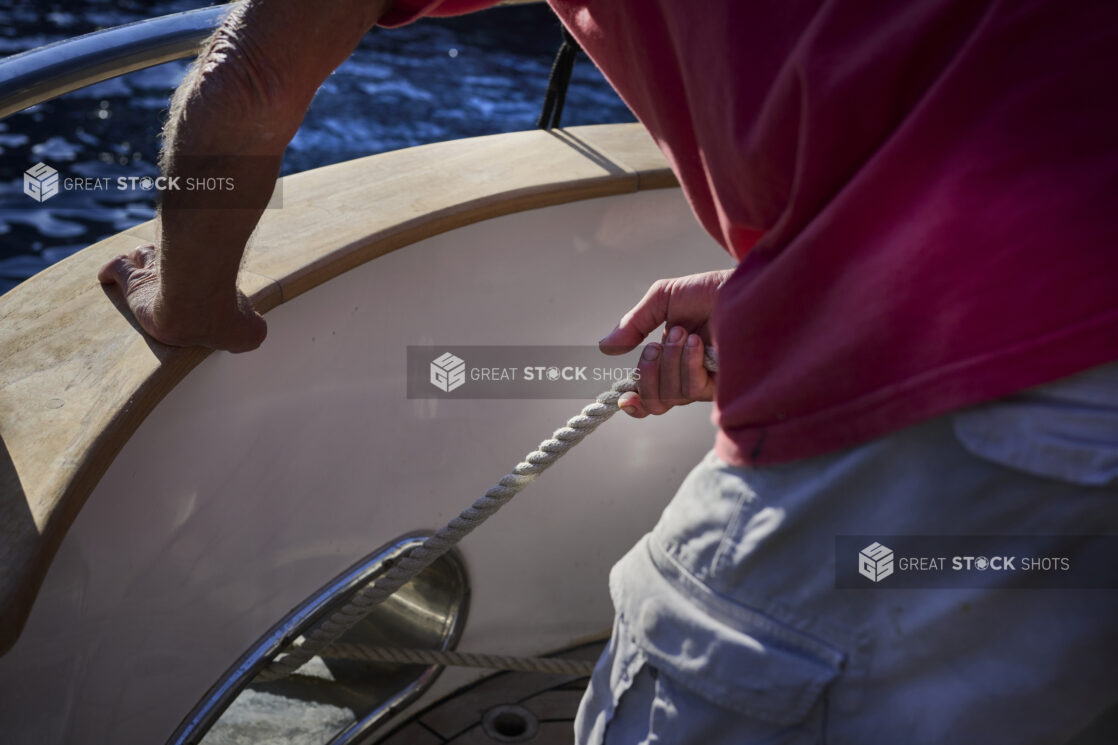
(434, 80)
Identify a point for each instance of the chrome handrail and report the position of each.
(39, 75)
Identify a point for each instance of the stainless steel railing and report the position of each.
(40, 74)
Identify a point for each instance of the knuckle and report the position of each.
(659, 290)
(120, 269)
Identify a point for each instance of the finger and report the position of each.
(639, 322)
(631, 404)
(697, 383)
(118, 270)
(671, 392)
(648, 385)
(143, 256)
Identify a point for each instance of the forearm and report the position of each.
(231, 119)
(201, 239)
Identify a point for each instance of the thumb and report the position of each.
(639, 322)
(248, 332)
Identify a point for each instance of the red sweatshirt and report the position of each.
(922, 196)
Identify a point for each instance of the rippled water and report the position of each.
(434, 80)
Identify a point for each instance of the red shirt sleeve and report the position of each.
(404, 12)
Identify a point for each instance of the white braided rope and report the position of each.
(372, 653)
(422, 556)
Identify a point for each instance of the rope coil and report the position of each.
(415, 561)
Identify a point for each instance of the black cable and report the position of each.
(558, 82)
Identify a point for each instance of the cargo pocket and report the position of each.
(770, 676)
(656, 709)
(1066, 430)
(631, 701)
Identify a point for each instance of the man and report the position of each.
(921, 197)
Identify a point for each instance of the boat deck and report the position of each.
(502, 708)
(508, 707)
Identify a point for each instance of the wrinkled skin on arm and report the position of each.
(232, 117)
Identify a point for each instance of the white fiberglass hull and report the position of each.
(261, 476)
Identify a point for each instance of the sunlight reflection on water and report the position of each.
(435, 80)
